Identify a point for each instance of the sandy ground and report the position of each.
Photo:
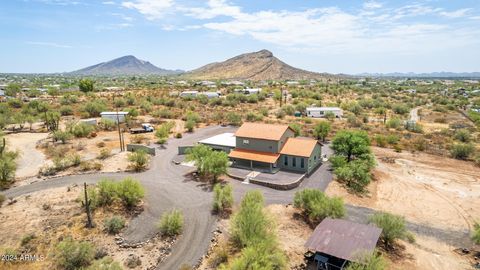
(31, 158)
(65, 217)
(426, 189)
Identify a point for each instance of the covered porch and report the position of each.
(254, 160)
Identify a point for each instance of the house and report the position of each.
(317, 112)
(189, 94)
(249, 91)
(114, 116)
(336, 242)
(269, 148)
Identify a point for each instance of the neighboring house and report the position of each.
(113, 88)
(266, 147)
(121, 116)
(189, 94)
(411, 91)
(336, 242)
(210, 94)
(249, 91)
(317, 112)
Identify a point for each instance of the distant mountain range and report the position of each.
(126, 65)
(261, 65)
(424, 75)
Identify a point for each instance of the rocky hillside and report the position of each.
(261, 65)
(126, 65)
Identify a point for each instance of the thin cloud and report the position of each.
(152, 9)
(48, 44)
(456, 14)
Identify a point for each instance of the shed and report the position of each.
(114, 116)
(337, 242)
(189, 94)
(210, 94)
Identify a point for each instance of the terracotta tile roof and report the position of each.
(261, 131)
(343, 239)
(254, 155)
(301, 147)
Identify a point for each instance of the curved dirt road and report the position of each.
(30, 159)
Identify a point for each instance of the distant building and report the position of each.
(210, 94)
(411, 91)
(224, 142)
(249, 91)
(113, 88)
(318, 112)
(121, 116)
(189, 94)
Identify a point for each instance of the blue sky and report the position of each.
(326, 36)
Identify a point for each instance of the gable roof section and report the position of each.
(262, 131)
(301, 147)
(343, 239)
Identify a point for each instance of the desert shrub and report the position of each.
(209, 163)
(250, 225)
(62, 136)
(107, 124)
(321, 130)
(392, 139)
(462, 150)
(476, 233)
(82, 130)
(393, 227)
(463, 135)
(351, 144)
(297, 129)
(171, 223)
(104, 154)
(132, 112)
(234, 119)
(263, 111)
(219, 255)
(138, 159)
(223, 198)
(190, 125)
(394, 122)
(381, 140)
(27, 238)
(107, 192)
(2, 199)
(317, 206)
(263, 256)
(280, 114)
(94, 108)
(119, 102)
(400, 109)
(130, 192)
(66, 110)
(356, 175)
(178, 135)
(105, 263)
(252, 117)
(114, 224)
(70, 254)
(414, 127)
(373, 261)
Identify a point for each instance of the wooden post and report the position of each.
(87, 207)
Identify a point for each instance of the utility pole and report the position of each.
(118, 127)
(281, 96)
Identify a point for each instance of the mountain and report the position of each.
(256, 66)
(424, 75)
(126, 65)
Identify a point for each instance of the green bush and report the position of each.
(463, 135)
(82, 130)
(104, 154)
(130, 192)
(66, 110)
(171, 223)
(70, 254)
(8, 166)
(234, 119)
(190, 125)
(262, 256)
(476, 233)
(316, 206)
(105, 263)
(355, 174)
(138, 160)
(114, 224)
(297, 129)
(462, 150)
(94, 108)
(395, 123)
(27, 238)
(373, 261)
(107, 192)
(107, 124)
(393, 227)
(223, 198)
(62, 136)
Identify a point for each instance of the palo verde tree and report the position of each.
(209, 163)
(8, 165)
(321, 130)
(86, 85)
(351, 144)
(393, 228)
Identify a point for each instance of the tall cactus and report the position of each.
(87, 204)
(3, 146)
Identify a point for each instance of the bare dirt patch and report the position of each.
(31, 158)
(426, 189)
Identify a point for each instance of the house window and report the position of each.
(294, 161)
(285, 160)
(246, 141)
(302, 163)
(314, 157)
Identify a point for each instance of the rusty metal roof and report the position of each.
(343, 239)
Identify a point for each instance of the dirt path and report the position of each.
(414, 114)
(30, 159)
